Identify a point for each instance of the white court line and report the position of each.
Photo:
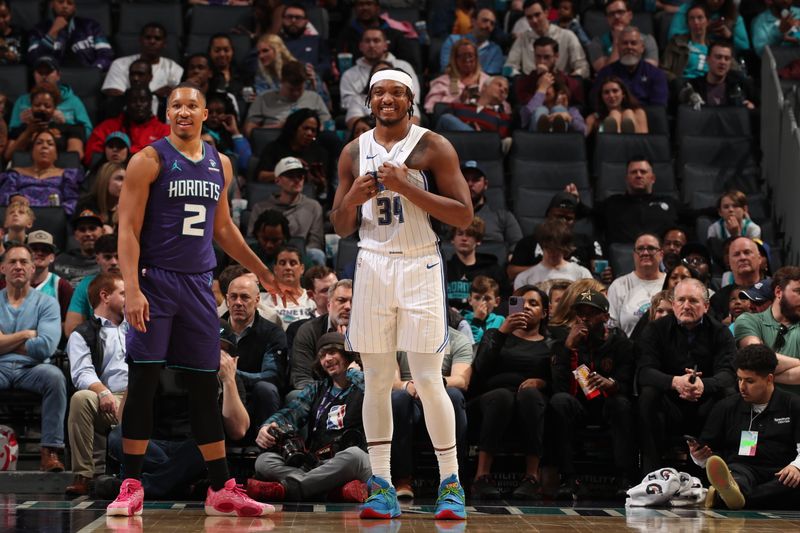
(179, 506)
(83, 505)
(612, 512)
(570, 512)
(667, 513)
(514, 511)
(26, 505)
(712, 514)
(320, 508)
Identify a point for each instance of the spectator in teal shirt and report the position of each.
(726, 23)
(484, 297)
(777, 25)
(80, 310)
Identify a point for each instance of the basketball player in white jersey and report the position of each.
(385, 179)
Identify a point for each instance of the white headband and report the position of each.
(393, 75)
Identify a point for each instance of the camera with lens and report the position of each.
(292, 447)
(40, 116)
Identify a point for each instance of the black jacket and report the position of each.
(262, 342)
(664, 350)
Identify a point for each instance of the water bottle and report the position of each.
(422, 32)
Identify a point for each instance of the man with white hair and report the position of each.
(646, 82)
(685, 365)
(398, 295)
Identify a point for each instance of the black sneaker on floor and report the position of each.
(484, 488)
(105, 488)
(570, 489)
(528, 489)
(623, 484)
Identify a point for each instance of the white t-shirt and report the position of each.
(629, 299)
(538, 273)
(290, 312)
(165, 73)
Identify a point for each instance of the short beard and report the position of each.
(629, 60)
(388, 123)
(788, 311)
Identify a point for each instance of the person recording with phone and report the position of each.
(592, 381)
(511, 381)
(750, 445)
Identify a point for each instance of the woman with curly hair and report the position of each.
(617, 110)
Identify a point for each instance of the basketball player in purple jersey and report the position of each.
(398, 294)
(173, 203)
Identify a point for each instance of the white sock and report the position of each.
(426, 371)
(379, 371)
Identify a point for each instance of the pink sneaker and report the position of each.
(130, 500)
(232, 500)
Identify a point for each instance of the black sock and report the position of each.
(218, 472)
(133, 466)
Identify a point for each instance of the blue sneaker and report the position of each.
(382, 502)
(450, 505)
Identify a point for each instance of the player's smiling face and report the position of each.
(389, 102)
(186, 112)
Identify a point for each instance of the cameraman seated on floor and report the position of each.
(173, 466)
(332, 461)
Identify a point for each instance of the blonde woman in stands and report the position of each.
(462, 80)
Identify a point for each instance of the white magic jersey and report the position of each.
(391, 224)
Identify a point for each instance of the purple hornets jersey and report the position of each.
(178, 222)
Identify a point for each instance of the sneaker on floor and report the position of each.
(232, 500)
(528, 489)
(354, 492)
(451, 503)
(382, 502)
(403, 488)
(719, 475)
(130, 500)
(484, 488)
(265, 491)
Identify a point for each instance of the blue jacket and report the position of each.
(72, 107)
(82, 37)
(38, 311)
(647, 83)
(310, 49)
(490, 55)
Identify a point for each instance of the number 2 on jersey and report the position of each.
(387, 208)
(191, 223)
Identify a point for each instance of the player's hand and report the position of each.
(137, 310)
(393, 177)
(275, 289)
(364, 188)
(264, 437)
(227, 366)
(789, 475)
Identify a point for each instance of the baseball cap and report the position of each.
(48, 62)
(87, 215)
(563, 200)
(120, 136)
(760, 292)
(41, 237)
(330, 340)
(471, 169)
(289, 163)
(227, 338)
(592, 298)
(696, 248)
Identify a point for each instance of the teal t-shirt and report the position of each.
(80, 298)
(697, 65)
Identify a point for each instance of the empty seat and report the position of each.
(407, 14)
(620, 257)
(714, 121)
(620, 147)
(497, 249)
(54, 221)
(213, 19)
(13, 81)
(134, 15)
(611, 178)
(550, 175)
(258, 192)
(319, 17)
(712, 179)
(99, 12)
(548, 146)
(478, 145)
(261, 137)
(25, 14)
(701, 226)
(657, 121)
(714, 151)
(85, 81)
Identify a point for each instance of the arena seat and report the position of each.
(620, 258)
(261, 137)
(548, 146)
(208, 19)
(549, 175)
(127, 44)
(621, 147)
(713, 122)
(13, 81)
(97, 11)
(611, 178)
(26, 14)
(134, 15)
(85, 81)
(595, 24)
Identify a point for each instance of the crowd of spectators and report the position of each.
(614, 311)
